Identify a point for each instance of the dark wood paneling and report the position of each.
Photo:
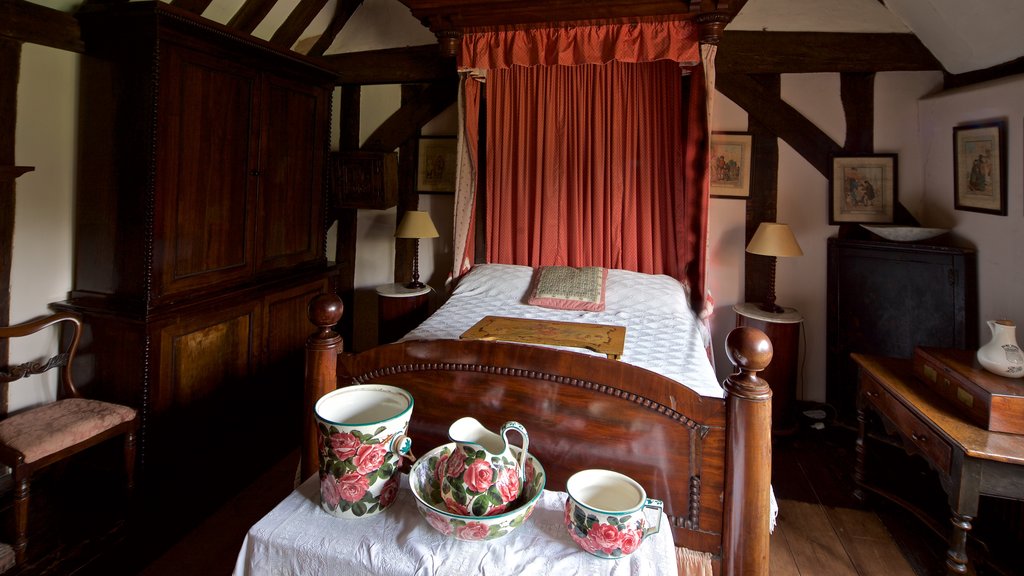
(193, 6)
(10, 62)
(291, 175)
(753, 52)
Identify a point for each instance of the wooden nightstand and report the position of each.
(970, 461)
(399, 310)
(783, 328)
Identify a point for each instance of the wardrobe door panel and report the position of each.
(204, 202)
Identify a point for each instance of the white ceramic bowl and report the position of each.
(427, 490)
(905, 233)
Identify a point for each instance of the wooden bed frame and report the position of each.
(708, 459)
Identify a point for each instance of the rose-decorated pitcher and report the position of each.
(482, 476)
(361, 434)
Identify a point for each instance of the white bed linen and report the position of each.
(298, 538)
(662, 333)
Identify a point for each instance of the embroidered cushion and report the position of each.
(568, 288)
(39, 432)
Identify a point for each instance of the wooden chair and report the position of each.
(39, 436)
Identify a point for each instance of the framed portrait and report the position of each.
(862, 188)
(435, 171)
(979, 167)
(731, 164)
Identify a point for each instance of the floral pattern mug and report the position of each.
(605, 513)
(361, 438)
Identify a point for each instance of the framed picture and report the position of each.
(731, 164)
(862, 189)
(979, 167)
(435, 172)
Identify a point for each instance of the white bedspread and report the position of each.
(662, 333)
(298, 538)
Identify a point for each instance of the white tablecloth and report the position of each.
(299, 538)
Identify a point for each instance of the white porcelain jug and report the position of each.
(1002, 355)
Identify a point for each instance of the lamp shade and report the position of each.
(416, 224)
(772, 239)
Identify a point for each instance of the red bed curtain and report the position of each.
(596, 147)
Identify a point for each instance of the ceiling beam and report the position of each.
(414, 64)
(250, 15)
(296, 23)
(1011, 68)
(406, 122)
(782, 119)
(23, 21)
(342, 12)
(752, 52)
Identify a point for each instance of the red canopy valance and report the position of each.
(581, 43)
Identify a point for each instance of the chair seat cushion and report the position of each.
(50, 428)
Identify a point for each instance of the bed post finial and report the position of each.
(322, 349)
(748, 455)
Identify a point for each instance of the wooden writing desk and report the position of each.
(602, 338)
(970, 461)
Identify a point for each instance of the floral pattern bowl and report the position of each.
(424, 478)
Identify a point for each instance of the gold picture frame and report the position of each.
(435, 171)
(731, 164)
(863, 189)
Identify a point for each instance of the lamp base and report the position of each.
(415, 284)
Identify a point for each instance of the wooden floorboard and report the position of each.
(815, 546)
(868, 543)
(780, 559)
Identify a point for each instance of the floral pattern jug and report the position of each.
(1002, 355)
(483, 475)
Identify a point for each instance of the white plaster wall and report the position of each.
(998, 239)
(42, 262)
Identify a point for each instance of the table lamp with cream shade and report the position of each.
(774, 240)
(416, 224)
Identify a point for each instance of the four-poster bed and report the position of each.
(707, 457)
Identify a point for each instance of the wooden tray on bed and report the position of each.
(601, 338)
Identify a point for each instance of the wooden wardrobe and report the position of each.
(200, 238)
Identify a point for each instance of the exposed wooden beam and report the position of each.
(193, 6)
(10, 63)
(296, 23)
(345, 246)
(781, 118)
(751, 52)
(342, 12)
(406, 122)
(23, 21)
(415, 64)
(857, 92)
(996, 72)
(250, 15)
(762, 205)
(408, 199)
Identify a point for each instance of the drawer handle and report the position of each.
(872, 393)
(918, 437)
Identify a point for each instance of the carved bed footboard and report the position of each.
(708, 459)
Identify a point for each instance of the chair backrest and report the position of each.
(62, 360)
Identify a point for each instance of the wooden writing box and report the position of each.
(992, 402)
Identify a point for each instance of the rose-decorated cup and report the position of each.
(361, 438)
(483, 476)
(605, 513)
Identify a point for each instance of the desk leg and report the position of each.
(956, 556)
(858, 468)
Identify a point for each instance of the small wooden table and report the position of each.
(970, 461)
(783, 329)
(601, 338)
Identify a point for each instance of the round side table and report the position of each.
(783, 328)
(399, 310)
